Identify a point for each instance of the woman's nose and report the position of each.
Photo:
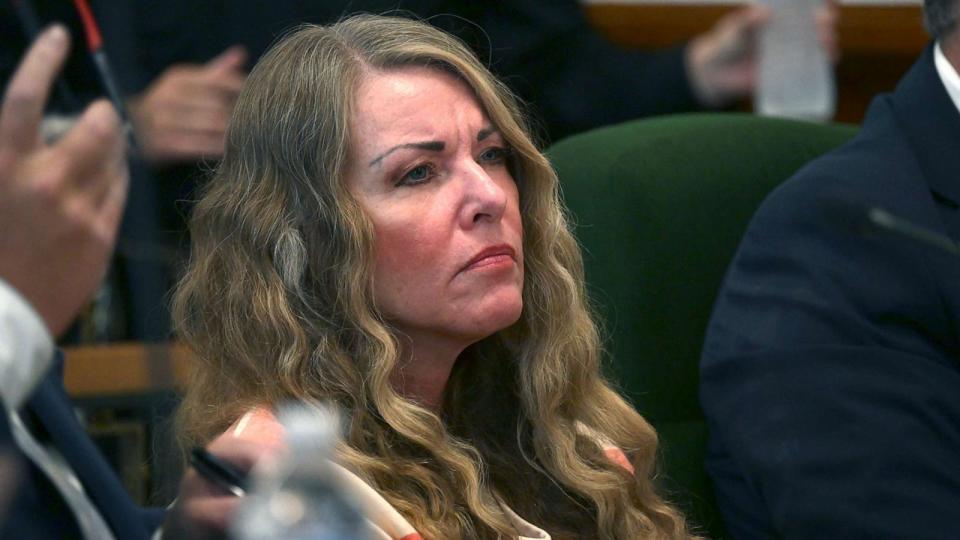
(485, 198)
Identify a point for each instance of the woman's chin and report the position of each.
(495, 318)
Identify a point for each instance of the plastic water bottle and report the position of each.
(295, 496)
(794, 75)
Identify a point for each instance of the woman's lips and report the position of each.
(493, 255)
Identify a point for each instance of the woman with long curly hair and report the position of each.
(382, 234)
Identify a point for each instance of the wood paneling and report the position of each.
(878, 43)
(125, 369)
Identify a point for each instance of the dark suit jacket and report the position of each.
(830, 375)
(38, 511)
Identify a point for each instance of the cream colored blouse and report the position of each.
(261, 426)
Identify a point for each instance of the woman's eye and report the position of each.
(416, 175)
(494, 155)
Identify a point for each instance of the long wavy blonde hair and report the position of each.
(277, 303)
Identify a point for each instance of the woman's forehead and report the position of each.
(413, 100)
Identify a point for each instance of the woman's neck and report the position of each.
(423, 372)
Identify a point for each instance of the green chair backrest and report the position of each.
(659, 207)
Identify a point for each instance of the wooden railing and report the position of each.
(125, 369)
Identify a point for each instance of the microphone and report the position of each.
(95, 48)
(865, 220)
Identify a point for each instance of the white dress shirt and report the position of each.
(26, 347)
(948, 74)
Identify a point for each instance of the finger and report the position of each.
(228, 84)
(29, 88)
(208, 514)
(827, 18)
(202, 97)
(224, 88)
(185, 121)
(735, 35)
(749, 19)
(207, 119)
(190, 145)
(232, 59)
(832, 6)
(196, 486)
(241, 453)
(195, 128)
(94, 143)
(199, 127)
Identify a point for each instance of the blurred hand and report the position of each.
(203, 510)
(60, 204)
(182, 116)
(722, 62)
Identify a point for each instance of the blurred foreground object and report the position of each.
(296, 495)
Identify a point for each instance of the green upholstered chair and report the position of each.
(659, 207)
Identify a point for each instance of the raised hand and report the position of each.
(60, 204)
(182, 116)
(722, 62)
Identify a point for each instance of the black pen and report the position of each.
(219, 472)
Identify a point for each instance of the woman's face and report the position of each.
(430, 171)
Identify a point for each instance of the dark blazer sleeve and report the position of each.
(36, 509)
(829, 375)
(53, 411)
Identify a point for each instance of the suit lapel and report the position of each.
(931, 123)
(52, 408)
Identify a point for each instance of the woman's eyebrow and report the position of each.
(485, 132)
(433, 146)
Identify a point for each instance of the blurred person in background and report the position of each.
(60, 206)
